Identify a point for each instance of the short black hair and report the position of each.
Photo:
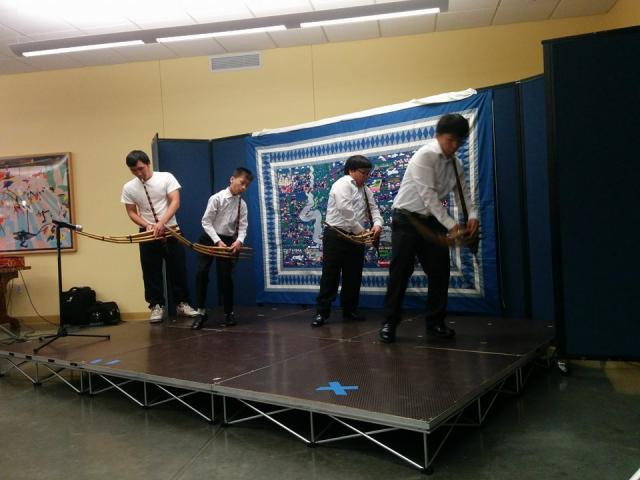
(453, 124)
(355, 162)
(241, 171)
(136, 156)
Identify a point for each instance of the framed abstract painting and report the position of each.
(34, 190)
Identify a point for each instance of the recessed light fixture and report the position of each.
(81, 48)
(228, 33)
(370, 18)
(246, 26)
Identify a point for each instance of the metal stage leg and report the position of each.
(18, 366)
(118, 387)
(355, 435)
(312, 433)
(11, 334)
(380, 444)
(224, 411)
(267, 415)
(179, 398)
(56, 374)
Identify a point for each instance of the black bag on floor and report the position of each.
(103, 313)
(75, 303)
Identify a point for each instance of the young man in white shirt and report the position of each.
(151, 201)
(225, 225)
(428, 180)
(351, 206)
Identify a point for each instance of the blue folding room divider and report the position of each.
(228, 153)
(203, 167)
(190, 163)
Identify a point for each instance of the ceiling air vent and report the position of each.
(234, 61)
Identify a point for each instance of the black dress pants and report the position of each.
(406, 245)
(340, 256)
(152, 254)
(224, 275)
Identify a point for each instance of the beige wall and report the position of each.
(101, 113)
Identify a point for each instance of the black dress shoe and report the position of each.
(199, 321)
(355, 316)
(440, 330)
(318, 320)
(229, 320)
(387, 333)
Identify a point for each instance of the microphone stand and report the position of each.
(62, 329)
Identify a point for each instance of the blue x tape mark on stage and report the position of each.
(97, 360)
(337, 388)
(113, 362)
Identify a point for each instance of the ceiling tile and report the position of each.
(91, 14)
(196, 48)
(36, 37)
(160, 22)
(579, 8)
(155, 13)
(331, 4)
(35, 24)
(246, 43)
(514, 11)
(460, 5)
(125, 26)
(221, 11)
(298, 36)
(528, 3)
(354, 31)
(465, 19)
(263, 8)
(408, 26)
(8, 34)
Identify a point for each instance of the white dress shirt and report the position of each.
(347, 208)
(221, 216)
(159, 186)
(428, 180)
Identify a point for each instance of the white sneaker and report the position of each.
(157, 314)
(185, 310)
(202, 311)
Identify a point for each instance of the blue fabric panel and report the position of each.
(536, 170)
(190, 163)
(296, 169)
(593, 81)
(509, 201)
(228, 154)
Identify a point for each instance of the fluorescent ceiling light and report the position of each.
(82, 48)
(228, 33)
(369, 18)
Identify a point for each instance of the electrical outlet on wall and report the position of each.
(19, 289)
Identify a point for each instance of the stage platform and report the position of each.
(273, 361)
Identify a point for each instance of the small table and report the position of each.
(6, 275)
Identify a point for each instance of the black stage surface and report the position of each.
(274, 357)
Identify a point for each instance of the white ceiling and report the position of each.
(36, 20)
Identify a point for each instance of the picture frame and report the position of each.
(35, 190)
